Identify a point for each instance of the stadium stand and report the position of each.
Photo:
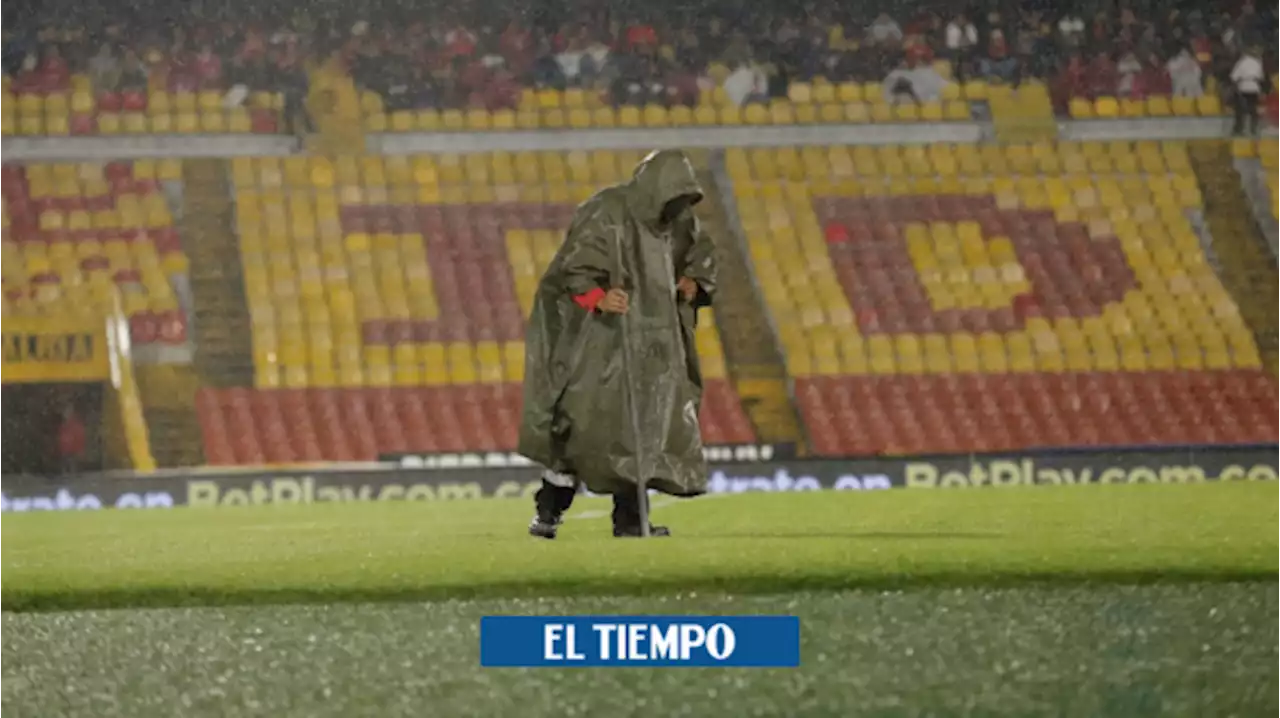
(926, 298)
(76, 236)
(388, 296)
(827, 65)
(964, 298)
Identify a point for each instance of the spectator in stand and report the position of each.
(570, 61)
(597, 65)
(207, 68)
(1071, 29)
(133, 74)
(915, 82)
(14, 50)
(961, 41)
(1185, 74)
(517, 45)
(1248, 78)
(682, 84)
(395, 82)
(502, 91)
(27, 78)
(1154, 80)
(55, 74)
(1101, 77)
(72, 440)
(747, 83)
(1070, 82)
(998, 64)
(884, 31)
(1128, 68)
(104, 69)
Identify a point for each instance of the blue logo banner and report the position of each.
(694, 641)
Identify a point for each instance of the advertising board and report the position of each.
(52, 349)
(1078, 468)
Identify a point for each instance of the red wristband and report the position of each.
(589, 300)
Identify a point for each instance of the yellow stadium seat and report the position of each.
(184, 123)
(134, 122)
(479, 119)
(975, 90)
(57, 125)
(849, 92)
(1208, 106)
(30, 104)
(82, 102)
(800, 92)
(1132, 108)
(655, 116)
(1106, 107)
(209, 101)
(34, 125)
(185, 102)
(554, 118)
(1159, 106)
(423, 120)
(549, 99)
(453, 120)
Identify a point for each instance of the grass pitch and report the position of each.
(1136, 600)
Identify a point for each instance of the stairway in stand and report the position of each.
(168, 394)
(224, 343)
(1245, 265)
(755, 365)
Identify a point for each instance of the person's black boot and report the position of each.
(551, 502)
(626, 517)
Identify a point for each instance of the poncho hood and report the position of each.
(660, 177)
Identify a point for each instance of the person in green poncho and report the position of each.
(613, 322)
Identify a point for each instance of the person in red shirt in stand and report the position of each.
(1101, 76)
(208, 68)
(516, 45)
(28, 78)
(1154, 79)
(72, 440)
(54, 73)
(640, 36)
(1069, 83)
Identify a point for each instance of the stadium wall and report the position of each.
(23, 149)
(206, 489)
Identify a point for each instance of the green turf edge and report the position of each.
(26, 600)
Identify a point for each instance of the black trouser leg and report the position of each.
(1246, 113)
(552, 501)
(626, 508)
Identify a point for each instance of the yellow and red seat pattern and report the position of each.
(957, 299)
(76, 234)
(388, 298)
(76, 109)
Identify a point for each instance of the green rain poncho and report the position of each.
(576, 414)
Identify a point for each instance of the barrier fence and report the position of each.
(396, 483)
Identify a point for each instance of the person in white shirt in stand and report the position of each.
(962, 37)
(1248, 77)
